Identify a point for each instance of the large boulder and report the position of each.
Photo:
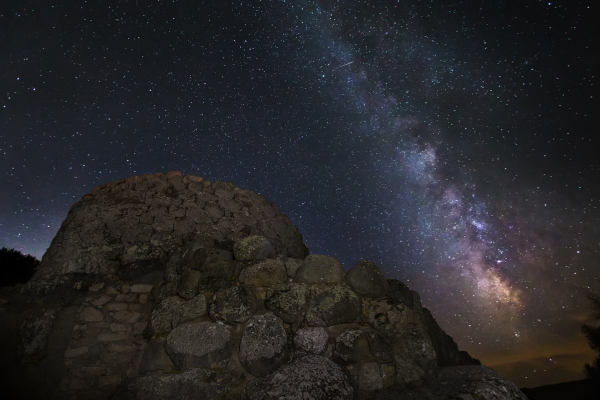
(198, 344)
(367, 280)
(416, 346)
(264, 273)
(263, 346)
(317, 268)
(236, 304)
(253, 248)
(461, 382)
(310, 377)
(141, 219)
(194, 384)
(287, 301)
(335, 305)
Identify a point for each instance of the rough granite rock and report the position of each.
(253, 248)
(370, 377)
(264, 273)
(287, 301)
(317, 268)
(355, 343)
(367, 280)
(190, 310)
(198, 344)
(336, 305)
(470, 382)
(311, 340)
(416, 346)
(144, 218)
(236, 304)
(263, 346)
(388, 317)
(194, 384)
(309, 377)
(161, 320)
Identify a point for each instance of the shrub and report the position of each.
(15, 267)
(592, 334)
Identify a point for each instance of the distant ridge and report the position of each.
(575, 390)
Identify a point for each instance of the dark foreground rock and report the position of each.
(197, 345)
(310, 377)
(194, 384)
(472, 382)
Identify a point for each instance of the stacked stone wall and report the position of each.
(106, 340)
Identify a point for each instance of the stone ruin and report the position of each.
(167, 286)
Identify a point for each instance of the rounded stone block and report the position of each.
(317, 268)
(253, 248)
(264, 273)
(311, 340)
(310, 377)
(190, 310)
(367, 280)
(336, 305)
(90, 314)
(287, 301)
(389, 318)
(264, 344)
(233, 305)
(198, 344)
(369, 377)
(161, 319)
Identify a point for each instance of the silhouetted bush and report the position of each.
(592, 334)
(16, 267)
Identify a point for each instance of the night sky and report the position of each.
(453, 143)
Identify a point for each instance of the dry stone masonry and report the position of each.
(173, 287)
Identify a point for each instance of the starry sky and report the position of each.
(453, 143)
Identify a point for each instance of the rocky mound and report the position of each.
(219, 313)
(129, 226)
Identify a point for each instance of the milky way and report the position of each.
(452, 143)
